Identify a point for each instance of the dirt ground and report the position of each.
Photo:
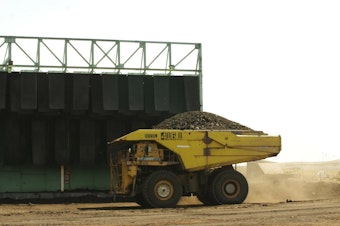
(270, 202)
(315, 212)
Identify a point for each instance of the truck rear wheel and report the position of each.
(205, 194)
(229, 187)
(162, 189)
(205, 198)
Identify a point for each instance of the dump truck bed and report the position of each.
(202, 149)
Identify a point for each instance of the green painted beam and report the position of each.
(48, 179)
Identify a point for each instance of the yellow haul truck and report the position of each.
(158, 167)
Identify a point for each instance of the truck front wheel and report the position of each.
(229, 187)
(140, 200)
(162, 189)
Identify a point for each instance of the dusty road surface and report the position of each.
(268, 203)
(313, 212)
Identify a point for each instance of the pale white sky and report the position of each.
(270, 65)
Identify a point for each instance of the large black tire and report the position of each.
(205, 194)
(140, 200)
(205, 198)
(229, 187)
(162, 189)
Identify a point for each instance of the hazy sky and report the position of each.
(270, 65)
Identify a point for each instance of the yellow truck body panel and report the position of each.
(204, 149)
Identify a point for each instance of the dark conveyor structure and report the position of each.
(62, 99)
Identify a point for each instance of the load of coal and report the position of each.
(199, 120)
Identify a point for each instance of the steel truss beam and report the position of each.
(91, 56)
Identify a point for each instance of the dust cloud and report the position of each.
(287, 191)
(287, 182)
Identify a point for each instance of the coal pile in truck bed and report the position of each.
(198, 120)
